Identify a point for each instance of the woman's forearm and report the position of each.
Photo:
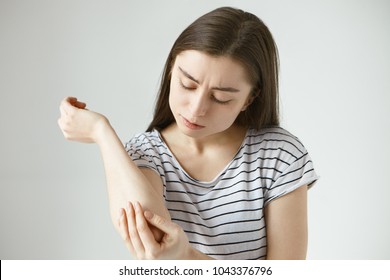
(125, 181)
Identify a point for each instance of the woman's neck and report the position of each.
(230, 138)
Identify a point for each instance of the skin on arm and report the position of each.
(125, 181)
(286, 220)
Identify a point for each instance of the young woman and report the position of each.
(214, 176)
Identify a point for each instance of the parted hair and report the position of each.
(242, 37)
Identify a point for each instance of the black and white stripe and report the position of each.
(224, 218)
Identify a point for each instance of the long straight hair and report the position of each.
(242, 37)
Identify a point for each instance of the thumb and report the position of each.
(159, 222)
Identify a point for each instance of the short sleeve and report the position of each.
(299, 173)
(141, 151)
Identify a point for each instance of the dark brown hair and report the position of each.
(246, 39)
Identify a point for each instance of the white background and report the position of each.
(335, 86)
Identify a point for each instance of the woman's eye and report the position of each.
(223, 102)
(187, 87)
(213, 98)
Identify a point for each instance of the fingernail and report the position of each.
(137, 206)
(148, 214)
(128, 206)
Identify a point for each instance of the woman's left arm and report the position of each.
(286, 220)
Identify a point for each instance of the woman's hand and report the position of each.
(135, 229)
(78, 123)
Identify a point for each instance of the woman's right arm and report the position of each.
(125, 181)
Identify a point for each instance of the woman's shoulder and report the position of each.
(275, 138)
(145, 140)
(146, 136)
(272, 131)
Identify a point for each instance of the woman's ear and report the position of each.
(250, 99)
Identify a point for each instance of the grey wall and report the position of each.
(335, 97)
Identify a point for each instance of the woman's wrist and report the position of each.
(101, 130)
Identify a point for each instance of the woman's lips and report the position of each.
(191, 125)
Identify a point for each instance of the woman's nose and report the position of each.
(199, 105)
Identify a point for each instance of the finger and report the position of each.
(62, 126)
(71, 100)
(66, 106)
(64, 103)
(144, 231)
(133, 232)
(124, 231)
(160, 223)
(62, 110)
(76, 103)
(70, 103)
(80, 105)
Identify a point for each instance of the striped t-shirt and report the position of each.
(224, 218)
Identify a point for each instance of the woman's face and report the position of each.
(207, 92)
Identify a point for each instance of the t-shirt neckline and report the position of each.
(200, 182)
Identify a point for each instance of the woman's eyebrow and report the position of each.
(188, 75)
(227, 89)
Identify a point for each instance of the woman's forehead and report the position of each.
(201, 65)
